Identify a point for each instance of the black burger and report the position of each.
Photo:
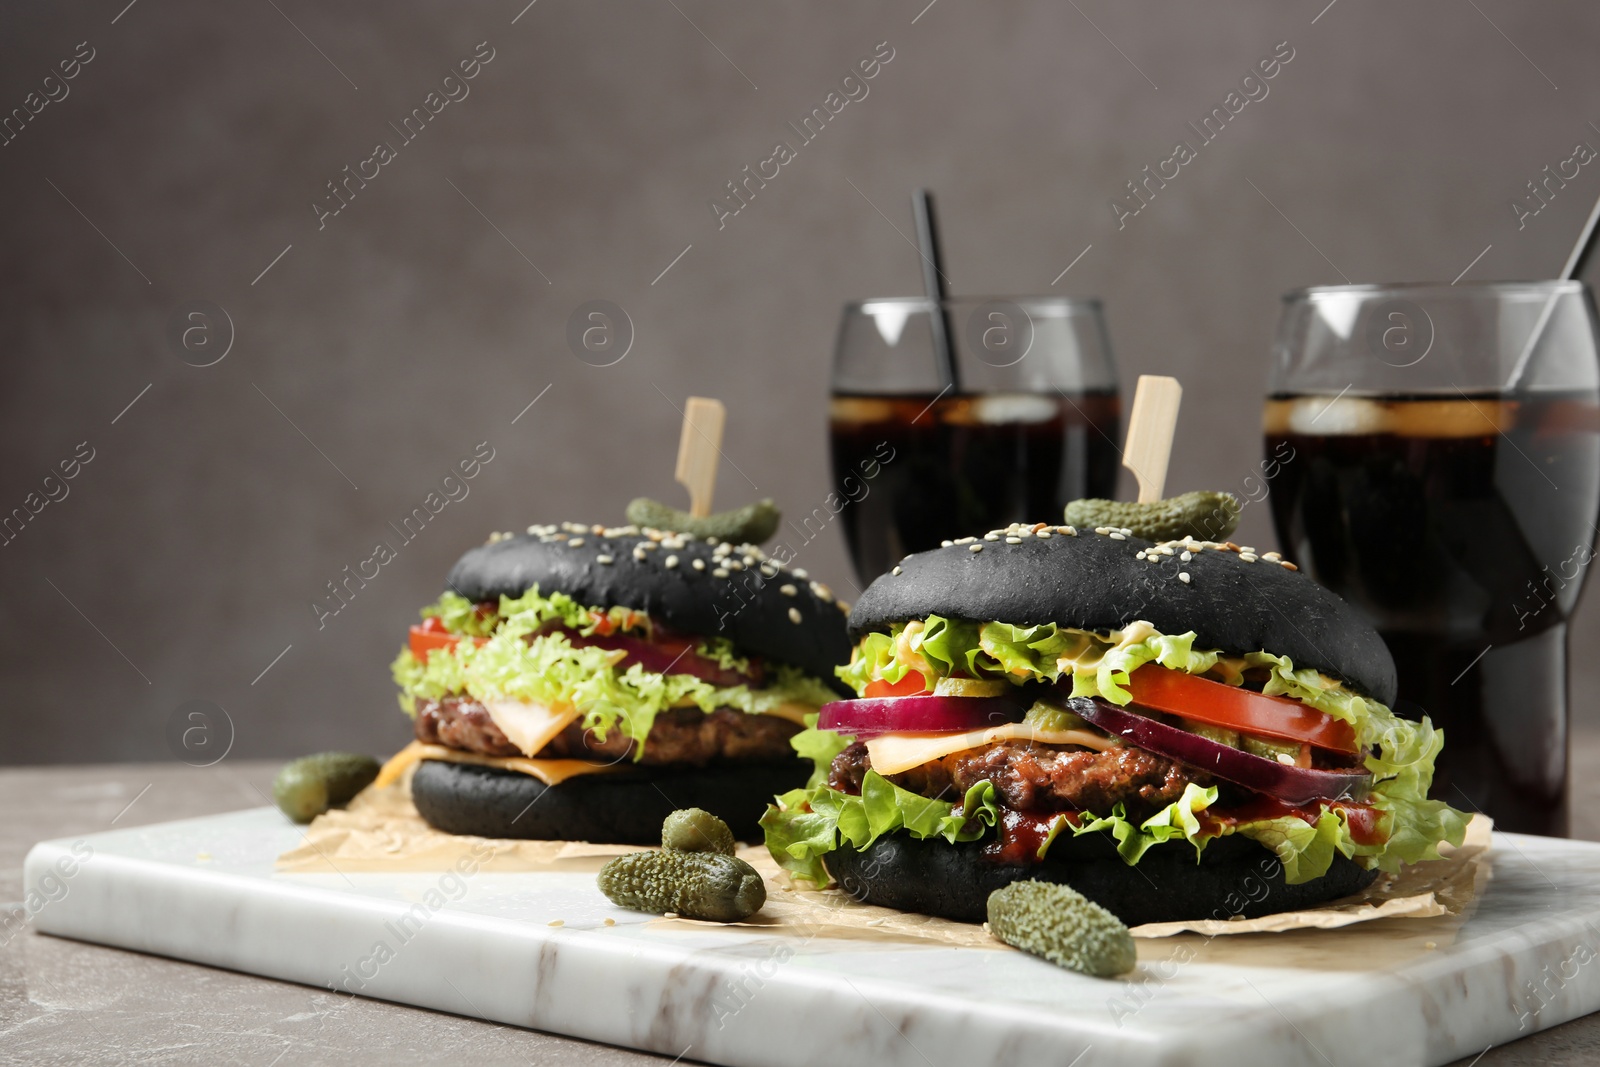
(1179, 730)
(581, 682)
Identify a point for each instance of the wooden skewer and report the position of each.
(1150, 428)
(699, 448)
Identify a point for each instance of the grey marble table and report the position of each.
(69, 1003)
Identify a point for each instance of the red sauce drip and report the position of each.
(1021, 835)
(1362, 818)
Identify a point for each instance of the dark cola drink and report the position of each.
(918, 470)
(1463, 527)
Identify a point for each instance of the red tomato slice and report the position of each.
(424, 640)
(1234, 708)
(913, 684)
(431, 635)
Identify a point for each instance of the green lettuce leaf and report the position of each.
(820, 747)
(1415, 826)
(460, 616)
(518, 663)
(873, 659)
(529, 612)
(1401, 764)
(1106, 674)
(722, 652)
(800, 829)
(806, 824)
(950, 645)
(1176, 820)
(1021, 652)
(1305, 850)
(1099, 664)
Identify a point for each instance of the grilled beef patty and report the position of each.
(1030, 776)
(682, 736)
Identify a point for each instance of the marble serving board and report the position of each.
(546, 950)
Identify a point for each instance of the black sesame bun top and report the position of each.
(1233, 599)
(703, 587)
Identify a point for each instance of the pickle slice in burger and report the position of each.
(1178, 730)
(582, 682)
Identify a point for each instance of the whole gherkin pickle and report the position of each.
(1063, 926)
(697, 830)
(751, 524)
(696, 885)
(1203, 515)
(310, 785)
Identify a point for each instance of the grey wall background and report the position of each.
(423, 318)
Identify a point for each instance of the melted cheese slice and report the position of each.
(792, 711)
(795, 713)
(893, 753)
(527, 725)
(548, 771)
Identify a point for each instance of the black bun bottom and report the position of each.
(625, 808)
(1235, 876)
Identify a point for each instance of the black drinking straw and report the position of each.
(933, 286)
(1576, 262)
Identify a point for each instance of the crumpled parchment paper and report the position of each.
(381, 831)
